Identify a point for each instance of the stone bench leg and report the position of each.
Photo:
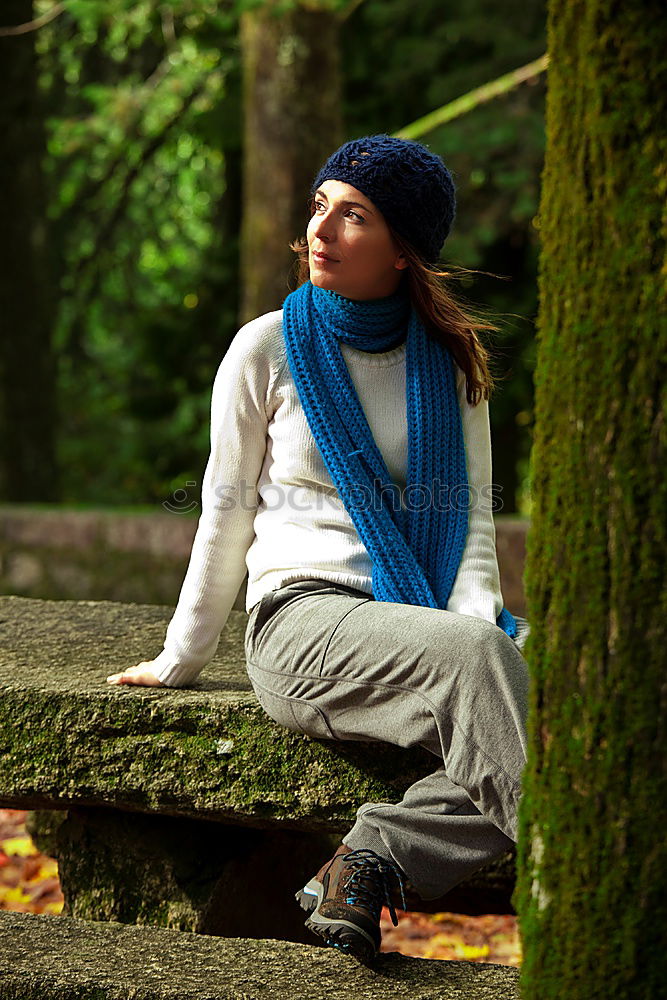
(186, 874)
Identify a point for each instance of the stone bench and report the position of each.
(60, 958)
(174, 804)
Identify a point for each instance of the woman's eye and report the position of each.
(319, 205)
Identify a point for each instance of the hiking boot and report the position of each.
(344, 900)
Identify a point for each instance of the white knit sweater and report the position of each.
(270, 506)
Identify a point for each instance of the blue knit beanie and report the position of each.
(410, 185)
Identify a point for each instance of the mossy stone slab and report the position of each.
(61, 958)
(67, 737)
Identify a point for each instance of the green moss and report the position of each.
(590, 869)
(165, 756)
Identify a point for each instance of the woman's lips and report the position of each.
(322, 258)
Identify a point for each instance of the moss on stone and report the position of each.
(67, 737)
(154, 758)
(60, 958)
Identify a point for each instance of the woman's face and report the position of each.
(350, 248)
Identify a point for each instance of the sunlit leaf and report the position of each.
(20, 847)
(13, 894)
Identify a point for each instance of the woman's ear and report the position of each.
(401, 262)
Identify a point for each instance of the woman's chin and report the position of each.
(323, 280)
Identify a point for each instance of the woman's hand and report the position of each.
(140, 674)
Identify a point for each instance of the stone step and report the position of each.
(61, 958)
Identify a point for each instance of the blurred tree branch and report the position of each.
(34, 25)
(95, 185)
(468, 102)
(350, 9)
(106, 230)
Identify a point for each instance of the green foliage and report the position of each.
(136, 98)
(143, 107)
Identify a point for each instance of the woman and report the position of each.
(350, 472)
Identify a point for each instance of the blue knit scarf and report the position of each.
(415, 551)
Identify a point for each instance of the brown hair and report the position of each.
(445, 316)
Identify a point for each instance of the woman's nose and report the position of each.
(323, 226)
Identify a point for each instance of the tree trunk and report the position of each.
(292, 101)
(592, 895)
(27, 368)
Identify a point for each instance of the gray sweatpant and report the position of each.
(330, 661)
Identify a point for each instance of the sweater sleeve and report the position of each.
(476, 589)
(229, 500)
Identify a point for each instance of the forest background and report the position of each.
(140, 134)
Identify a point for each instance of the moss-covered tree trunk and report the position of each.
(292, 115)
(592, 892)
(27, 369)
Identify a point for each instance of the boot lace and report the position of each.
(367, 883)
